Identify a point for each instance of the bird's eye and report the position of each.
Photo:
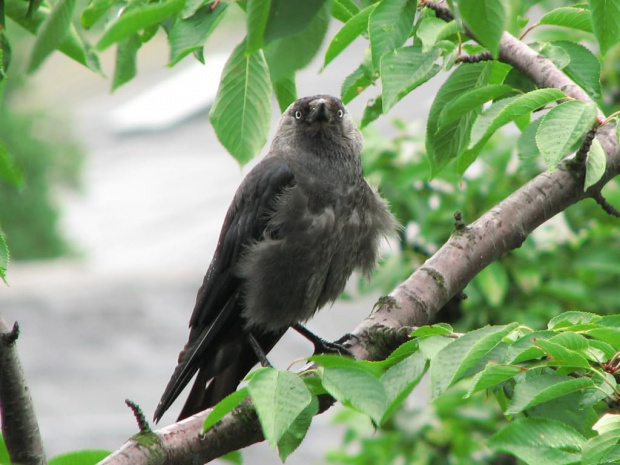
(298, 114)
(340, 113)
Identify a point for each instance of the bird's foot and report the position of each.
(258, 350)
(321, 346)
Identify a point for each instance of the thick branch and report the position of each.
(19, 422)
(417, 300)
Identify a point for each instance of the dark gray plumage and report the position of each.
(302, 220)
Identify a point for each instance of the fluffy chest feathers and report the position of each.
(319, 230)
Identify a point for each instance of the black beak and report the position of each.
(320, 111)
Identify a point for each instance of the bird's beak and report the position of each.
(320, 111)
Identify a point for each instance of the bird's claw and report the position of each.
(325, 347)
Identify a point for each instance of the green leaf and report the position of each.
(454, 360)
(357, 25)
(603, 388)
(8, 170)
(562, 130)
(600, 351)
(560, 355)
(544, 388)
(524, 349)
(4, 453)
(518, 80)
(584, 68)
(509, 110)
(470, 100)
(5, 257)
(406, 349)
(137, 19)
(258, 14)
(344, 10)
(356, 388)
(568, 319)
(5, 58)
(403, 70)
(432, 345)
(491, 376)
(609, 335)
(53, 32)
(337, 361)
(80, 457)
(389, 27)
(596, 450)
(188, 35)
(285, 56)
(493, 283)
(539, 440)
(432, 30)
(279, 398)
(355, 83)
(95, 10)
(73, 45)
(293, 437)
(373, 109)
(233, 457)
(571, 341)
(609, 422)
(443, 146)
(431, 330)
(288, 18)
(596, 163)
(558, 55)
(225, 406)
(605, 16)
(528, 150)
(400, 380)
(126, 58)
(241, 113)
(286, 92)
(486, 19)
(574, 18)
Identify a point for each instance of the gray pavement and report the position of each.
(108, 324)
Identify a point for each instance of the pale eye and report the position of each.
(298, 114)
(340, 113)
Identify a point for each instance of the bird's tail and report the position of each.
(229, 359)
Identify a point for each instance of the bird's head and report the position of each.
(319, 122)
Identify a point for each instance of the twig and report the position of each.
(482, 56)
(143, 425)
(19, 422)
(582, 153)
(605, 205)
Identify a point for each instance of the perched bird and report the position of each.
(301, 221)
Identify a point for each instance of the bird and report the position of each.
(302, 220)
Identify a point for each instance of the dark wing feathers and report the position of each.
(217, 301)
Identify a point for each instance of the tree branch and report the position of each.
(19, 422)
(417, 300)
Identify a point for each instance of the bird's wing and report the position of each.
(217, 299)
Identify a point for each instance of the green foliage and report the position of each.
(553, 395)
(53, 32)
(82, 457)
(486, 19)
(242, 109)
(562, 130)
(46, 155)
(572, 263)
(4, 257)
